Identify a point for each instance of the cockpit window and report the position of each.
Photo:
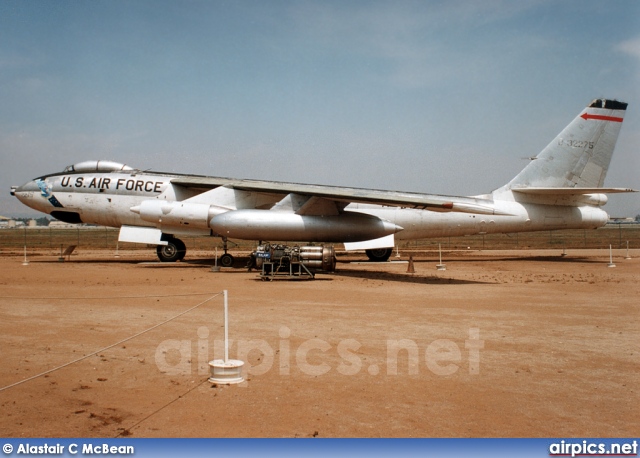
(96, 166)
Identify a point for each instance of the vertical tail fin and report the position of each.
(579, 156)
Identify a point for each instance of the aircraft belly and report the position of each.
(425, 224)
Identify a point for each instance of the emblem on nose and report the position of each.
(45, 188)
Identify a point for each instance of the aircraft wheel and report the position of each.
(226, 260)
(379, 254)
(173, 251)
(182, 249)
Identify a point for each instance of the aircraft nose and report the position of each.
(27, 193)
(29, 186)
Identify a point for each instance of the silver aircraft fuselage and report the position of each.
(561, 188)
(107, 198)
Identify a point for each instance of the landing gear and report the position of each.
(379, 254)
(173, 251)
(226, 260)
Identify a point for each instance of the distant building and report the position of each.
(622, 220)
(61, 225)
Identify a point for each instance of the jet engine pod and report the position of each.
(166, 213)
(594, 199)
(276, 225)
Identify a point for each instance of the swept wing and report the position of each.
(345, 195)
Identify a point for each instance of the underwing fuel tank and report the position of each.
(275, 225)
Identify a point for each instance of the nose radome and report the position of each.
(29, 186)
(30, 195)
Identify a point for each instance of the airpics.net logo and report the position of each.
(316, 357)
(591, 448)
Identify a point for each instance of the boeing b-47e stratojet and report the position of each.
(562, 188)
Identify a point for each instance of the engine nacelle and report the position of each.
(181, 214)
(315, 258)
(594, 199)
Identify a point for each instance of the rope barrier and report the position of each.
(107, 297)
(128, 430)
(111, 346)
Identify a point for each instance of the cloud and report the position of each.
(416, 44)
(630, 47)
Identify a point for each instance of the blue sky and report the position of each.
(431, 96)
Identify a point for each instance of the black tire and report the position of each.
(379, 254)
(226, 260)
(173, 251)
(182, 248)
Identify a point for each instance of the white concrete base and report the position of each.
(226, 373)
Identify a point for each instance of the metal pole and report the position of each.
(26, 261)
(611, 264)
(226, 325)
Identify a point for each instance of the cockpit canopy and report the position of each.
(96, 166)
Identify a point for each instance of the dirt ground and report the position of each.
(501, 344)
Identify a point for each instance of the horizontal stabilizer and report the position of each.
(571, 191)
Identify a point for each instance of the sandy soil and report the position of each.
(500, 344)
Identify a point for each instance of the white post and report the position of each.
(440, 266)
(227, 371)
(226, 325)
(627, 255)
(611, 264)
(26, 261)
(215, 267)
